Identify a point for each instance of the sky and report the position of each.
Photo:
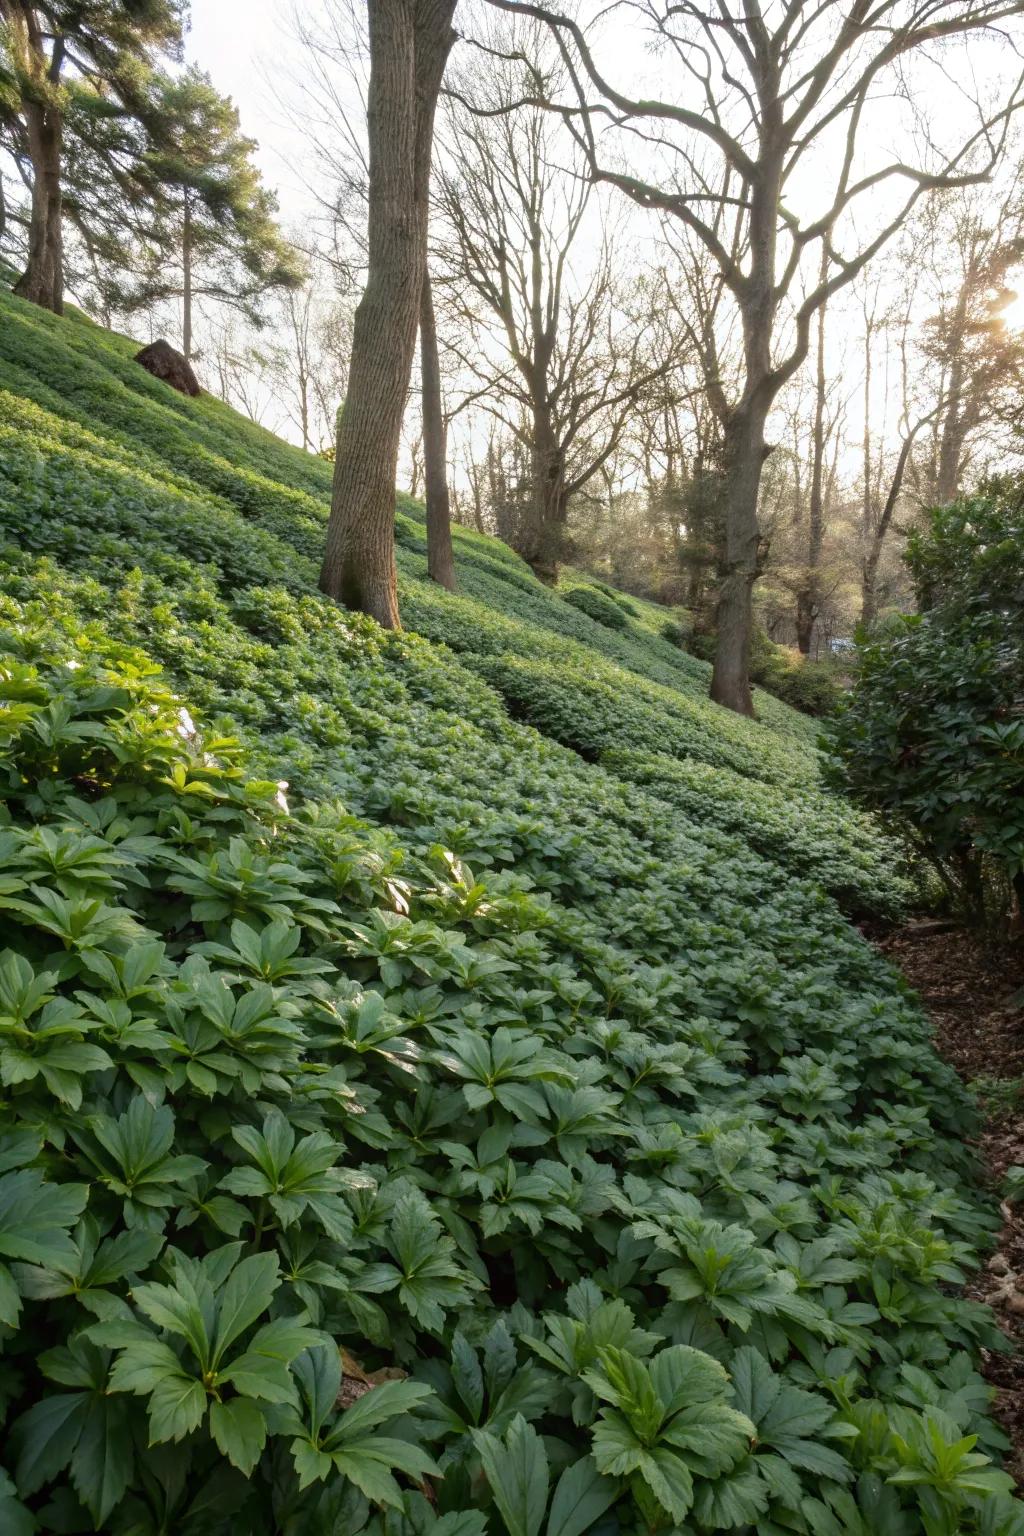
(243, 44)
(235, 41)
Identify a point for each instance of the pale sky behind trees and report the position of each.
(249, 49)
(236, 42)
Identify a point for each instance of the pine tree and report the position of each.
(212, 231)
(68, 67)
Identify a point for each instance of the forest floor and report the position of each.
(975, 996)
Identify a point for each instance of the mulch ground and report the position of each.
(975, 996)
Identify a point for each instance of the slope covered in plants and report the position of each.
(514, 1049)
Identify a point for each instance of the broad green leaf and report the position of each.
(240, 1431)
(517, 1470)
(387, 1401)
(669, 1479)
(581, 1496)
(103, 1462)
(177, 1405)
(46, 1436)
(246, 1295)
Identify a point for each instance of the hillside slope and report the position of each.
(541, 945)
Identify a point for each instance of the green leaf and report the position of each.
(517, 1471)
(369, 1473)
(45, 1438)
(15, 1519)
(245, 1297)
(35, 1215)
(467, 1375)
(388, 1401)
(240, 1431)
(102, 1465)
(10, 1299)
(669, 1479)
(177, 1405)
(581, 1497)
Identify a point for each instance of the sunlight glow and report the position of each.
(1012, 313)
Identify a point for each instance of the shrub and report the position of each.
(933, 732)
(597, 605)
(810, 834)
(626, 604)
(679, 629)
(810, 686)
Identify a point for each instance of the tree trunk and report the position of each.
(409, 44)
(42, 282)
(873, 553)
(744, 456)
(476, 475)
(744, 442)
(440, 558)
(951, 437)
(186, 281)
(304, 409)
(540, 543)
(806, 616)
(808, 600)
(951, 432)
(869, 589)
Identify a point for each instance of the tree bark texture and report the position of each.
(440, 558)
(951, 437)
(744, 455)
(409, 45)
(42, 282)
(744, 436)
(541, 542)
(808, 599)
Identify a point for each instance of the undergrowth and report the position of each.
(422, 1121)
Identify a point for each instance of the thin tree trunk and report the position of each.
(869, 588)
(869, 568)
(304, 409)
(744, 456)
(186, 284)
(476, 475)
(951, 436)
(808, 602)
(867, 504)
(42, 282)
(409, 44)
(440, 558)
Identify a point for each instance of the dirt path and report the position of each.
(976, 1001)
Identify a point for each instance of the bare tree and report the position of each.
(959, 370)
(965, 250)
(809, 593)
(409, 44)
(777, 83)
(564, 350)
(307, 358)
